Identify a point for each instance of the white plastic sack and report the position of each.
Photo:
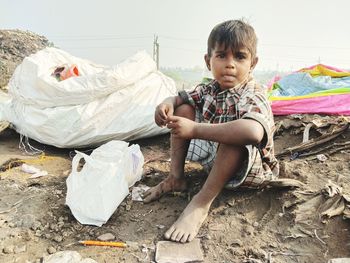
(103, 103)
(95, 192)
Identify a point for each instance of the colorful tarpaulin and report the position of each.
(317, 89)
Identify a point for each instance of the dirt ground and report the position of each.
(243, 225)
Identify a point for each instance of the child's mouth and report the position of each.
(229, 78)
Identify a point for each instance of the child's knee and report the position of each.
(185, 110)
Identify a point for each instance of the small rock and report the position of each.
(280, 214)
(20, 249)
(207, 237)
(106, 237)
(249, 230)
(28, 221)
(51, 250)
(132, 245)
(11, 224)
(168, 251)
(67, 256)
(36, 225)
(8, 249)
(127, 207)
(237, 242)
(66, 173)
(58, 239)
(255, 224)
(160, 226)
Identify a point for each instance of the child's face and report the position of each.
(230, 68)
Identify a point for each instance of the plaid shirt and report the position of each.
(247, 101)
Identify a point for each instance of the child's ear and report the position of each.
(254, 62)
(207, 61)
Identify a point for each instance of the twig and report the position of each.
(291, 254)
(324, 243)
(314, 142)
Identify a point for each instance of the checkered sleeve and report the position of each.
(195, 97)
(256, 106)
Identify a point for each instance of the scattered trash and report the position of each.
(328, 202)
(33, 170)
(137, 191)
(334, 131)
(172, 252)
(95, 192)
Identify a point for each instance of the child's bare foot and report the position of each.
(187, 225)
(169, 184)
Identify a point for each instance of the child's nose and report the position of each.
(230, 63)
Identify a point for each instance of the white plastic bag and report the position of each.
(95, 192)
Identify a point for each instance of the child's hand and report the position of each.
(181, 127)
(162, 113)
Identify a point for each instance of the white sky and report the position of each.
(292, 34)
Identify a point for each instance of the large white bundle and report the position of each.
(103, 103)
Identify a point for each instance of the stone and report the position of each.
(106, 237)
(58, 239)
(51, 250)
(339, 260)
(67, 257)
(20, 249)
(172, 252)
(8, 249)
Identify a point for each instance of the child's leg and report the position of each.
(175, 181)
(227, 163)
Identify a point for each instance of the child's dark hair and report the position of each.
(235, 34)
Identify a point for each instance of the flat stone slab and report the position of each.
(173, 252)
(339, 260)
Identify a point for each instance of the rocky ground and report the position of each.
(243, 226)
(15, 45)
(304, 224)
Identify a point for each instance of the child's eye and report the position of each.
(240, 56)
(221, 55)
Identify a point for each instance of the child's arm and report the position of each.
(238, 132)
(166, 109)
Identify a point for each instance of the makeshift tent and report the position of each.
(317, 89)
(101, 104)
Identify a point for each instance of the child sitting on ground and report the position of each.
(226, 125)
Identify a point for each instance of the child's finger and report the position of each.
(172, 118)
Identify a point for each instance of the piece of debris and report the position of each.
(36, 172)
(67, 257)
(321, 157)
(172, 252)
(137, 192)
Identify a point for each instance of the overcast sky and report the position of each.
(292, 34)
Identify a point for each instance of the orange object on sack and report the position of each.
(65, 72)
(68, 72)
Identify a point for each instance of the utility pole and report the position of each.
(156, 50)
